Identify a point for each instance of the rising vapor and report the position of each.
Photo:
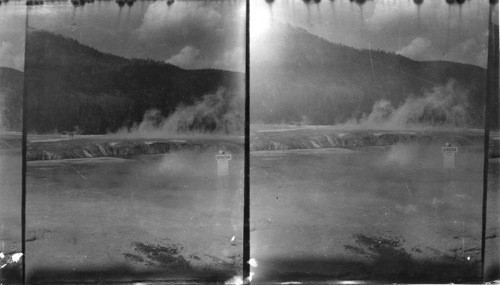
(221, 112)
(443, 106)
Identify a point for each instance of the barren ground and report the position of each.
(139, 217)
(377, 212)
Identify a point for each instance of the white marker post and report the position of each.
(223, 159)
(449, 156)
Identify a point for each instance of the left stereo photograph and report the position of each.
(135, 140)
(12, 31)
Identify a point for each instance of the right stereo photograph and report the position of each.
(370, 121)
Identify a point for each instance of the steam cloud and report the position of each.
(442, 106)
(217, 113)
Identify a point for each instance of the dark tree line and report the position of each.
(308, 76)
(11, 99)
(74, 86)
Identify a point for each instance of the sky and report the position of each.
(189, 34)
(433, 30)
(211, 34)
(12, 34)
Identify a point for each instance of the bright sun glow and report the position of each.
(260, 20)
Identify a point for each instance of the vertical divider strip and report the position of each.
(246, 179)
(23, 151)
(487, 116)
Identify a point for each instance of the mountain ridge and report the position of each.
(295, 77)
(11, 99)
(376, 50)
(300, 70)
(97, 93)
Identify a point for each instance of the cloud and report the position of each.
(461, 49)
(194, 35)
(232, 59)
(160, 18)
(4, 48)
(469, 51)
(416, 48)
(186, 58)
(190, 57)
(11, 56)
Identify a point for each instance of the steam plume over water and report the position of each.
(443, 106)
(219, 113)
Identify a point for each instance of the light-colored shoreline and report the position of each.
(300, 151)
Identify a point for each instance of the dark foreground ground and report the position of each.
(325, 205)
(371, 210)
(135, 216)
(10, 205)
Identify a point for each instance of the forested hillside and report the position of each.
(74, 87)
(297, 76)
(11, 99)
